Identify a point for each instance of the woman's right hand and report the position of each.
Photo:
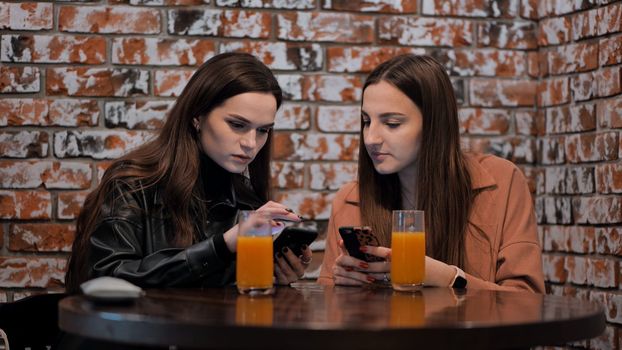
(276, 211)
(351, 271)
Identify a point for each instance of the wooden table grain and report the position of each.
(308, 316)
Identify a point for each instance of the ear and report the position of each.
(196, 124)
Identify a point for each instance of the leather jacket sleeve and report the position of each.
(131, 242)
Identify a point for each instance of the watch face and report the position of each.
(460, 282)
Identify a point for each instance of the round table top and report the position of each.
(309, 316)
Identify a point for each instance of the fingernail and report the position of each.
(289, 210)
(363, 249)
(301, 217)
(278, 255)
(364, 265)
(348, 268)
(285, 250)
(371, 279)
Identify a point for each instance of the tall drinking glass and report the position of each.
(255, 266)
(408, 250)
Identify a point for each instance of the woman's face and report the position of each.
(392, 126)
(233, 133)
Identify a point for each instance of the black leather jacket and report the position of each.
(132, 239)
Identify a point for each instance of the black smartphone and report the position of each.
(356, 236)
(294, 238)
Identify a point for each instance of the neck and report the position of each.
(408, 182)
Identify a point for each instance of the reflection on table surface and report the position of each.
(332, 313)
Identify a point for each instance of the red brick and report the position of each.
(573, 58)
(70, 204)
(82, 81)
(556, 8)
(529, 9)
(384, 6)
(312, 205)
(101, 168)
(610, 19)
(603, 272)
(597, 210)
(228, 23)
(609, 339)
(170, 83)
(497, 93)
(424, 31)
(554, 31)
(552, 150)
(554, 268)
(577, 267)
(519, 35)
(338, 118)
(280, 55)
(529, 123)
(516, 149)
(137, 114)
(276, 4)
(609, 178)
(24, 144)
(331, 176)
(610, 50)
(25, 205)
(1, 245)
(288, 175)
(293, 117)
(533, 64)
(584, 86)
(32, 272)
(345, 28)
(585, 24)
(478, 121)
(571, 239)
(98, 144)
(159, 2)
(19, 79)
(610, 113)
(161, 51)
(32, 174)
(109, 19)
(59, 112)
(609, 81)
(362, 58)
(53, 49)
(557, 210)
(483, 62)
(41, 237)
(609, 240)
(592, 147)
(569, 180)
(569, 291)
(298, 146)
(26, 16)
(474, 8)
(553, 91)
(335, 88)
(535, 179)
(571, 119)
(612, 300)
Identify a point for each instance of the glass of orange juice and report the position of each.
(408, 250)
(254, 265)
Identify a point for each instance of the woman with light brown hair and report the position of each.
(480, 222)
(164, 215)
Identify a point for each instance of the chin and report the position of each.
(384, 169)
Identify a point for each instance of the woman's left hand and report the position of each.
(289, 267)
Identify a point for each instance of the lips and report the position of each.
(378, 156)
(242, 157)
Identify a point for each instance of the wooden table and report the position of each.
(309, 316)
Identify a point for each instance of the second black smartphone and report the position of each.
(294, 238)
(356, 236)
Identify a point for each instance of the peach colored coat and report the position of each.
(502, 248)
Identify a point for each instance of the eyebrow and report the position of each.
(385, 115)
(241, 118)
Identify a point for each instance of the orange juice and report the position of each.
(251, 311)
(407, 258)
(407, 310)
(255, 267)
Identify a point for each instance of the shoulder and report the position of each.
(348, 193)
(487, 169)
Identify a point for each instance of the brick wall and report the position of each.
(538, 82)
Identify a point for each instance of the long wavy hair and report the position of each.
(443, 183)
(171, 161)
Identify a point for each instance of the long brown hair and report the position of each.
(443, 183)
(171, 162)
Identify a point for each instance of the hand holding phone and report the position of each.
(294, 238)
(354, 237)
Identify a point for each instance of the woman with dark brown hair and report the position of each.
(480, 222)
(164, 215)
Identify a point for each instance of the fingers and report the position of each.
(279, 212)
(349, 276)
(342, 247)
(381, 252)
(294, 262)
(285, 273)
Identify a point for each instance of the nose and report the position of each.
(371, 134)
(249, 141)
